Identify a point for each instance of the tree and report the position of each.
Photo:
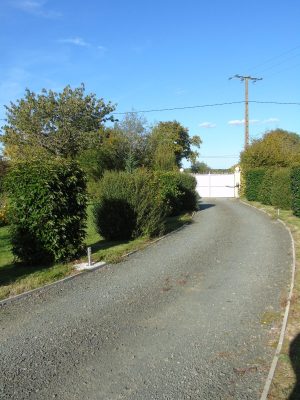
(277, 148)
(3, 172)
(175, 136)
(106, 150)
(164, 157)
(53, 124)
(199, 167)
(134, 130)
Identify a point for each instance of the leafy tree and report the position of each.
(130, 163)
(3, 172)
(53, 124)
(133, 129)
(105, 151)
(164, 157)
(173, 135)
(199, 167)
(278, 148)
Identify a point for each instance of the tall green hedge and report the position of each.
(129, 205)
(295, 182)
(281, 194)
(47, 210)
(264, 194)
(253, 181)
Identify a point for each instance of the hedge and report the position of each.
(295, 186)
(47, 210)
(129, 205)
(264, 194)
(281, 194)
(177, 191)
(253, 181)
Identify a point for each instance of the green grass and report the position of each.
(16, 278)
(285, 379)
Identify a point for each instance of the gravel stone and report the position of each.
(181, 319)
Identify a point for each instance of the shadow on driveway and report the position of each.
(205, 206)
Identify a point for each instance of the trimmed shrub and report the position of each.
(264, 195)
(47, 210)
(129, 206)
(177, 191)
(253, 182)
(295, 186)
(281, 193)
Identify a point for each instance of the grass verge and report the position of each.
(286, 382)
(16, 279)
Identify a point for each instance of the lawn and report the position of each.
(16, 278)
(285, 380)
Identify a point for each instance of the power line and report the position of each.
(233, 156)
(202, 106)
(274, 58)
(205, 105)
(279, 63)
(178, 108)
(287, 103)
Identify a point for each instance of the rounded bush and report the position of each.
(115, 219)
(129, 205)
(178, 191)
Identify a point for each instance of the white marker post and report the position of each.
(89, 253)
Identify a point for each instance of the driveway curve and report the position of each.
(182, 319)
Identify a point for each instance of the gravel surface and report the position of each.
(181, 319)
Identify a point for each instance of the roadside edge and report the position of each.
(272, 370)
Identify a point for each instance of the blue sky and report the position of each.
(161, 54)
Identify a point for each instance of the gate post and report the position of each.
(237, 181)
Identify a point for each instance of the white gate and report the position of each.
(218, 185)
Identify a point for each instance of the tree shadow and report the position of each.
(205, 206)
(294, 354)
(103, 244)
(14, 271)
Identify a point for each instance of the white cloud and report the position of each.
(207, 125)
(76, 41)
(270, 120)
(36, 7)
(102, 48)
(238, 122)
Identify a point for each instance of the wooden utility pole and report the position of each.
(246, 79)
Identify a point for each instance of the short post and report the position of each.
(278, 212)
(89, 253)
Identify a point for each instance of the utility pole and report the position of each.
(246, 79)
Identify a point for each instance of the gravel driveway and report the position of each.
(181, 319)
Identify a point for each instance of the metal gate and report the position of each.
(218, 185)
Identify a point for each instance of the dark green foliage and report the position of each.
(47, 210)
(281, 194)
(115, 218)
(264, 195)
(295, 183)
(253, 182)
(178, 191)
(3, 172)
(277, 148)
(129, 206)
(53, 124)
